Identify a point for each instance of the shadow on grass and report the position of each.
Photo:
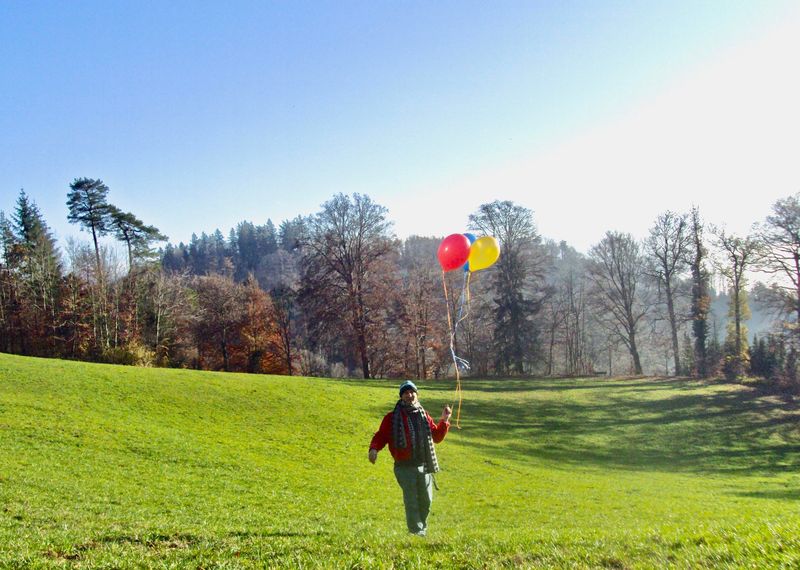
(429, 390)
(779, 494)
(670, 425)
(147, 540)
(168, 541)
(276, 534)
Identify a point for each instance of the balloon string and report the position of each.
(457, 361)
(464, 299)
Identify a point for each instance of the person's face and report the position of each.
(409, 397)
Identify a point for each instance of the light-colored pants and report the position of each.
(417, 495)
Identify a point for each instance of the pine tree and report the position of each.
(88, 206)
(137, 236)
(269, 237)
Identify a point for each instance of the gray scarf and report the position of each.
(420, 430)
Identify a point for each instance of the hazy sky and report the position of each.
(597, 115)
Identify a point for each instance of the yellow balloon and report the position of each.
(483, 252)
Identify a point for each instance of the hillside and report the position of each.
(104, 466)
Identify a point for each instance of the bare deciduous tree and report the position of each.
(566, 312)
(617, 271)
(738, 254)
(423, 308)
(345, 240)
(779, 250)
(668, 244)
(220, 316)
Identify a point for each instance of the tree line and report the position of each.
(337, 294)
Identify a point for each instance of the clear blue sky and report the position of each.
(199, 115)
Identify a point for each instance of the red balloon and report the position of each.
(453, 252)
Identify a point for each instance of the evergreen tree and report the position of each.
(10, 336)
(137, 236)
(88, 206)
(200, 261)
(776, 355)
(172, 259)
(292, 233)
(268, 238)
(246, 262)
(701, 301)
(28, 223)
(518, 280)
(38, 263)
(220, 254)
(758, 357)
(7, 240)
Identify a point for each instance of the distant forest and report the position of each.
(337, 294)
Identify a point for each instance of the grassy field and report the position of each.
(108, 467)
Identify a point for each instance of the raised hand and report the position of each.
(446, 413)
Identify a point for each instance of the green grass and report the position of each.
(108, 467)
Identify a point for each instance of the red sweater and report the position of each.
(384, 435)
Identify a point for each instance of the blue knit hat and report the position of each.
(407, 385)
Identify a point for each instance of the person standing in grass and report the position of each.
(410, 433)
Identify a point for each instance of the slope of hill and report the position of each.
(104, 466)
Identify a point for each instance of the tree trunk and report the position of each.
(637, 364)
(224, 347)
(361, 334)
(158, 330)
(362, 348)
(96, 253)
(423, 361)
(288, 350)
(674, 326)
(737, 319)
(797, 285)
(130, 255)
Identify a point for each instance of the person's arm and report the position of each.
(438, 431)
(381, 438)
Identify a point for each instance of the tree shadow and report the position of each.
(667, 425)
(276, 534)
(775, 494)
